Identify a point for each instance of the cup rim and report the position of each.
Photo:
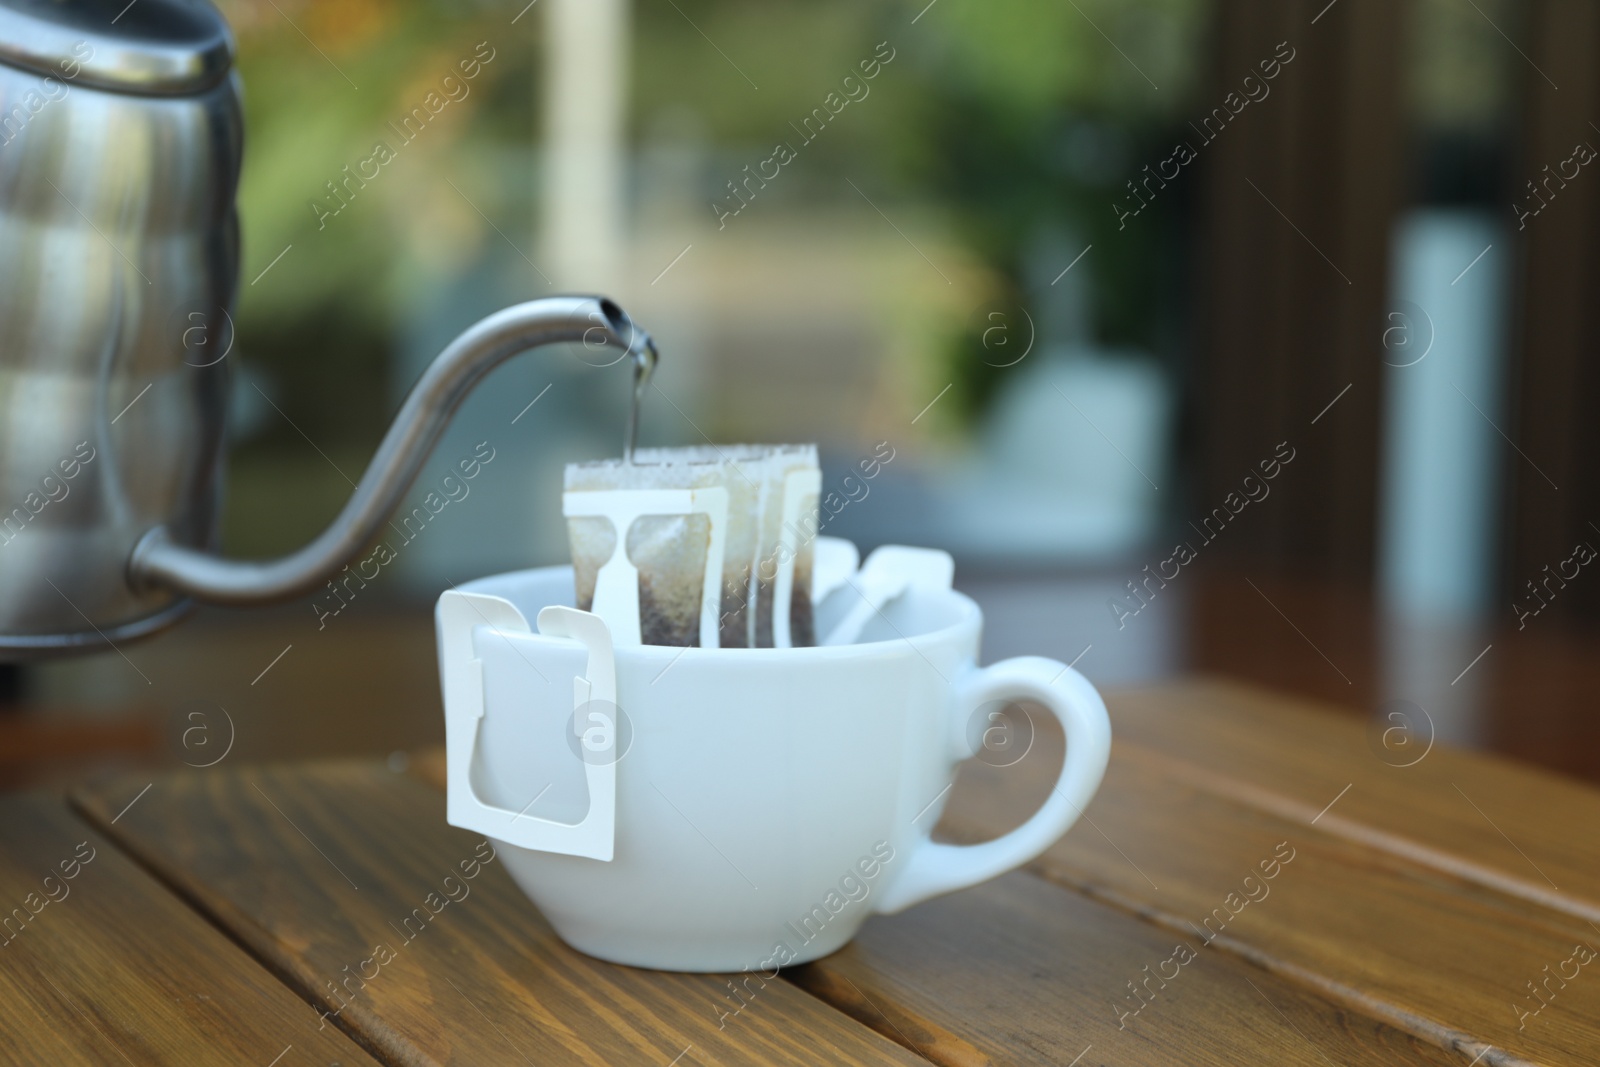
(970, 618)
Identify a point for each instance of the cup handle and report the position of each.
(935, 868)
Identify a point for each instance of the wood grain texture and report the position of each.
(108, 967)
(1440, 957)
(313, 868)
(1028, 973)
(1477, 817)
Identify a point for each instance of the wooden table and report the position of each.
(1436, 913)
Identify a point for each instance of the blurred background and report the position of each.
(1228, 336)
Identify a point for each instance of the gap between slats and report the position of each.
(1418, 1026)
(86, 806)
(1408, 849)
(938, 1046)
(947, 1050)
(932, 1042)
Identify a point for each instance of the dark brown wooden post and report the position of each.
(1555, 482)
(1301, 193)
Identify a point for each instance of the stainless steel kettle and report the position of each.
(120, 146)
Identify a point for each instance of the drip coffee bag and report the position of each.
(708, 546)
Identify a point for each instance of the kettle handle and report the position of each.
(157, 560)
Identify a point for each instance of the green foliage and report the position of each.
(1030, 121)
(1009, 117)
(310, 114)
(322, 82)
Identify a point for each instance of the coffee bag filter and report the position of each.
(720, 537)
(788, 530)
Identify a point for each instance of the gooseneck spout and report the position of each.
(595, 322)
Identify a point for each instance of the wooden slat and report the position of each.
(1025, 972)
(312, 868)
(1439, 957)
(1029, 973)
(112, 968)
(1477, 817)
(1529, 699)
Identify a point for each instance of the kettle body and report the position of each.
(120, 146)
(120, 149)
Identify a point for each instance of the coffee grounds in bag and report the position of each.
(766, 544)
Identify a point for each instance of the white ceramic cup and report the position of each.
(766, 800)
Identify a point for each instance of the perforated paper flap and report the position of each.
(465, 620)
